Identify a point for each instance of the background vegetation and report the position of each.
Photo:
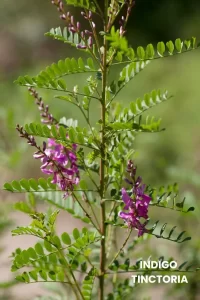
(162, 158)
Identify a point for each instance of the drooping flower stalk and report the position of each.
(75, 27)
(46, 117)
(57, 160)
(137, 204)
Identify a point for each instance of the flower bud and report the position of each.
(90, 15)
(78, 26)
(88, 32)
(63, 17)
(44, 146)
(90, 42)
(61, 6)
(72, 29)
(79, 46)
(72, 20)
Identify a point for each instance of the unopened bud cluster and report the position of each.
(85, 36)
(47, 118)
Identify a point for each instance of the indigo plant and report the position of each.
(92, 171)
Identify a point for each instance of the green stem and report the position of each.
(71, 93)
(124, 244)
(90, 176)
(91, 207)
(86, 212)
(88, 122)
(76, 284)
(103, 158)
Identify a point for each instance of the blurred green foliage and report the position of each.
(161, 157)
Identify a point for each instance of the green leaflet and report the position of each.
(158, 231)
(87, 4)
(51, 77)
(118, 154)
(149, 125)
(66, 136)
(87, 284)
(56, 198)
(121, 290)
(67, 36)
(127, 73)
(31, 185)
(163, 197)
(51, 260)
(68, 122)
(167, 197)
(117, 42)
(150, 52)
(41, 275)
(140, 105)
(46, 253)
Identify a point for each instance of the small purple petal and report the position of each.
(36, 156)
(127, 200)
(79, 46)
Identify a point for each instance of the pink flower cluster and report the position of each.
(136, 206)
(57, 160)
(85, 36)
(60, 162)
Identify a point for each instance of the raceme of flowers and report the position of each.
(61, 162)
(85, 36)
(136, 205)
(57, 160)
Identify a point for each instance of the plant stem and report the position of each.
(103, 158)
(96, 226)
(71, 93)
(76, 284)
(120, 250)
(91, 207)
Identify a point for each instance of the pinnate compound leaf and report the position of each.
(149, 125)
(66, 36)
(87, 284)
(51, 76)
(140, 105)
(160, 50)
(177, 239)
(56, 198)
(31, 185)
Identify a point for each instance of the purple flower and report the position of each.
(61, 162)
(127, 200)
(137, 204)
